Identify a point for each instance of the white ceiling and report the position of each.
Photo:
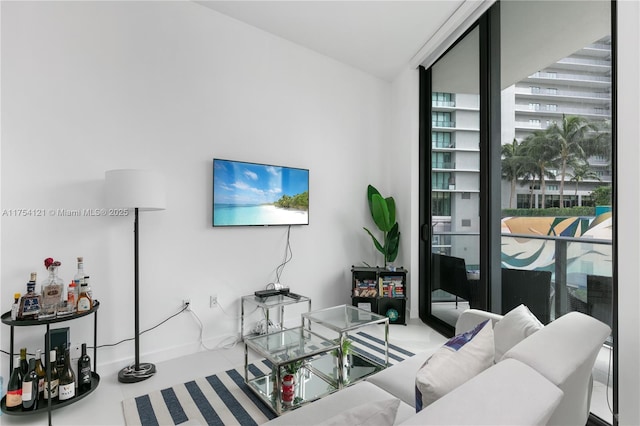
(377, 37)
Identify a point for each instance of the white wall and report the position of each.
(93, 86)
(402, 153)
(628, 178)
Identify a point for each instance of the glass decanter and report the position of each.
(52, 292)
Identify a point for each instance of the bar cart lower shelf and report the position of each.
(43, 405)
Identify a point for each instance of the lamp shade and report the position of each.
(130, 188)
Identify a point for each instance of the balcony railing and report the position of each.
(581, 267)
(585, 61)
(443, 165)
(567, 76)
(565, 93)
(443, 103)
(561, 109)
(443, 124)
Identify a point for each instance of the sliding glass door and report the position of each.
(517, 171)
(557, 219)
(454, 178)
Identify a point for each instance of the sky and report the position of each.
(248, 183)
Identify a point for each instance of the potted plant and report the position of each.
(383, 212)
(346, 349)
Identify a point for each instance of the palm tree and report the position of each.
(599, 143)
(570, 138)
(542, 151)
(513, 166)
(582, 172)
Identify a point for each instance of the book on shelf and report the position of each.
(365, 288)
(392, 287)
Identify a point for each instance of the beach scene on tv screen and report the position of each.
(259, 194)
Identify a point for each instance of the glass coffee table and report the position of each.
(343, 320)
(289, 347)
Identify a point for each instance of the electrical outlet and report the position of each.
(213, 301)
(186, 303)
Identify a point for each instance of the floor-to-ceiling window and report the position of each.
(454, 172)
(551, 142)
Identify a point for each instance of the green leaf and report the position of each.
(375, 242)
(380, 213)
(391, 205)
(392, 244)
(371, 190)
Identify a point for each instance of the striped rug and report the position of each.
(224, 398)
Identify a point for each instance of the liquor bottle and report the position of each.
(52, 290)
(30, 388)
(24, 364)
(72, 297)
(67, 384)
(85, 302)
(79, 276)
(89, 291)
(84, 370)
(40, 373)
(53, 384)
(30, 302)
(14, 388)
(15, 307)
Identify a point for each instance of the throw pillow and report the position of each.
(514, 327)
(460, 359)
(377, 413)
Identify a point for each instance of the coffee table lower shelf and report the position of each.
(309, 387)
(357, 368)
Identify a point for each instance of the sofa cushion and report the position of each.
(472, 317)
(398, 379)
(377, 413)
(342, 400)
(509, 393)
(457, 361)
(514, 327)
(564, 352)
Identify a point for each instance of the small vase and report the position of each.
(52, 291)
(288, 389)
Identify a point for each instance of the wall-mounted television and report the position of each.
(252, 194)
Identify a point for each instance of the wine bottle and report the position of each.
(30, 388)
(60, 358)
(84, 370)
(40, 373)
(14, 388)
(24, 364)
(67, 384)
(51, 387)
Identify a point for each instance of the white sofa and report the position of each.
(543, 379)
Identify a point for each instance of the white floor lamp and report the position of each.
(138, 190)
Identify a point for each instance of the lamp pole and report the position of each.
(136, 290)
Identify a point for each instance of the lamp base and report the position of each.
(132, 375)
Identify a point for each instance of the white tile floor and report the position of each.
(103, 407)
